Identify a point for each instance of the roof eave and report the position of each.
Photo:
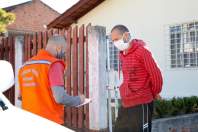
(76, 10)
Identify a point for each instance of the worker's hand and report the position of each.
(19, 98)
(19, 95)
(82, 98)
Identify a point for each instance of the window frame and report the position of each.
(183, 47)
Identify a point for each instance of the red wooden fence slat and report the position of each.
(6, 54)
(8, 48)
(34, 42)
(68, 115)
(75, 73)
(1, 49)
(4, 49)
(81, 74)
(29, 46)
(12, 51)
(11, 41)
(25, 57)
(45, 38)
(24, 47)
(40, 45)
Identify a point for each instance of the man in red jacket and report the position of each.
(142, 82)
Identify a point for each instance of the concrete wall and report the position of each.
(148, 20)
(97, 78)
(185, 123)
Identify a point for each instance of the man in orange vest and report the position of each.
(41, 82)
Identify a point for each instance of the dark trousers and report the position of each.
(135, 119)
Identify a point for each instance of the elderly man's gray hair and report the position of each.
(57, 39)
(121, 28)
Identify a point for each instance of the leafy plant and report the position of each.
(175, 106)
(6, 18)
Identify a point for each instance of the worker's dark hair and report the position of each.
(121, 28)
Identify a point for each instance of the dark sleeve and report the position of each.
(61, 97)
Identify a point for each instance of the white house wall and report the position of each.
(148, 20)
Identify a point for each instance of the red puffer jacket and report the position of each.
(142, 79)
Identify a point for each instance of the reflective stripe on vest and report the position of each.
(37, 62)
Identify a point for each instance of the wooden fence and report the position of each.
(76, 73)
(7, 52)
(76, 77)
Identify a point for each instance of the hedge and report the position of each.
(175, 106)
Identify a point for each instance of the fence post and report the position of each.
(97, 54)
(19, 42)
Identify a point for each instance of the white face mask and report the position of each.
(121, 45)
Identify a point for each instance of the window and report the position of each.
(184, 45)
(113, 55)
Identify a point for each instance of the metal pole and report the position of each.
(116, 102)
(108, 88)
(109, 109)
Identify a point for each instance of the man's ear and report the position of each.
(128, 36)
(125, 36)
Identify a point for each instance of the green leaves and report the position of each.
(175, 106)
(6, 18)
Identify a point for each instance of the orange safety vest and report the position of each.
(36, 93)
